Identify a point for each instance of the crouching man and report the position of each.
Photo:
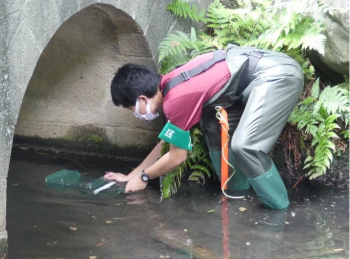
(258, 88)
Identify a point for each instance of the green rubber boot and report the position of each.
(270, 189)
(239, 181)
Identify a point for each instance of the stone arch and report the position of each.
(68, 101)
(27, 26)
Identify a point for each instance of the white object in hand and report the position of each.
(104, 187)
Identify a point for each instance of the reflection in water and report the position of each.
(45, 222)
(267, 234)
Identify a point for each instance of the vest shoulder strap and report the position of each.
(186, 75)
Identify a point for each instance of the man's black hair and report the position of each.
(131, 81)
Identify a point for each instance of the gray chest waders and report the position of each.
(228, 94)
(241, 63)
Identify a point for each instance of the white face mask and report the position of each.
(148, 116)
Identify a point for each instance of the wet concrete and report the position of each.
(47, 222)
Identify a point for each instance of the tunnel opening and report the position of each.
(67, 105)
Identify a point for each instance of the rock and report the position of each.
(335, 62)
(178, 240)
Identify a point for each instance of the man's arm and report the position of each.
(175, 157)
(165, 164)
(149, 160)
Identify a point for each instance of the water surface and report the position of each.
(46, 222)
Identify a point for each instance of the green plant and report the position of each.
(291, 27)
(197, 164)
(183, 9)
(261, 23)
(318, 115)
(178, 48)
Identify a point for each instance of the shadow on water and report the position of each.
(45, 222)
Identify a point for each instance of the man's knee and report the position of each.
(239, 146)
(249, 157)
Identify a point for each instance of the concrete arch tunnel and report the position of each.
(57, 59)
(67, 101)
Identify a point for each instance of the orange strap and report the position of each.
(224, 147)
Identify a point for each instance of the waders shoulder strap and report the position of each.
(249, 68)
(231, 93)
(184, 76)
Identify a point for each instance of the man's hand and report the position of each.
(135, 184)
(118, 177)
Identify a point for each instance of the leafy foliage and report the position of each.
(317, 116)
(183, 9)
(235, 25)
(291, 27)
(178, 48)
(280, 26)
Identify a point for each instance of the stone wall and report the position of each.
(48, 48)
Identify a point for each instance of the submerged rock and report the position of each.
(180, 241)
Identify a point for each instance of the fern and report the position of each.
(335, 100)
(323, 156)
(183, 9)
(197, 165)
(178, 48)
(171, 182)
(317, 115)
(238, 25)
(174, 45)
(291, 27)
(280, 26)
(197, 176)
(345, 134)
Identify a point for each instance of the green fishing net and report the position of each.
(98, 183)
(72, 178)
(64, 177)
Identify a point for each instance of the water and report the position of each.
(44, 222)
